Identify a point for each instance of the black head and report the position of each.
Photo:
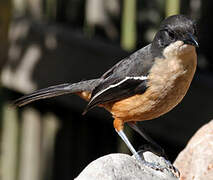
(176, 28)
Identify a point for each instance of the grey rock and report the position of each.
(125, 167)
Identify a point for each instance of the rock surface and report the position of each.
(125, 167)
(196, 160)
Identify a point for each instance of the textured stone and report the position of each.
(196, 160)
(125, 167)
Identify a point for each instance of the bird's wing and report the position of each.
(122, 89)
(125, 79)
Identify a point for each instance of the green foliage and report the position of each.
(128, 34)
(172, 7)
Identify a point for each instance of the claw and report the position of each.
(152, 165)
(173, 168)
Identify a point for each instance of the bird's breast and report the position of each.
(168, 82)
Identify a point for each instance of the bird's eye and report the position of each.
(171, 34)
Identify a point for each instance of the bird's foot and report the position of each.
(161, 165)
(148, 164)
(170, 166)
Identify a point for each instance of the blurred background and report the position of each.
(47, 42)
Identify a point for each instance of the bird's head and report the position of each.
(176, 32)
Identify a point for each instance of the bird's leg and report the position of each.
(159, 151)
(127, 142)
(155, 148)
(118, 125)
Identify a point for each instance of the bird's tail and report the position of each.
(52, 91)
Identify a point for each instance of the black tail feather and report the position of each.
(42, 94)
(57, 90)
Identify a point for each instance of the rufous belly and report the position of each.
(167, 84)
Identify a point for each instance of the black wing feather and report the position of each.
(120, 90)
(133, 67)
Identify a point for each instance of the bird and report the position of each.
(143, 86)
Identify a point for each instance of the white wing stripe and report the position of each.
(142, 78)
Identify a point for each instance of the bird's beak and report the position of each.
(191, 39)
